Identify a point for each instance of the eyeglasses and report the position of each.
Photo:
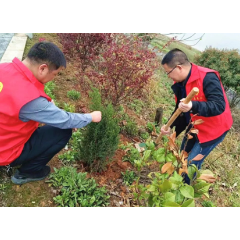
(171, 70)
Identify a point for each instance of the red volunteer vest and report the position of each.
(18, 86)
(213, 127)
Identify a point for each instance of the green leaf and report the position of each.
(151, 188)
(150, 200)
(170, 157)
(171, 204)
(146, 155)
(159, 155)
(187, 191)
(206, 171)
(92, 199)
(179, 197)
(176, 180)
(160, 158)
(206, 194)
(191, 171)
(169, 197)
(150, 145)
(189, 203)
(201, 187)
(167, 185)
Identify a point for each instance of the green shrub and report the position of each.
(227, 63)
(76, 190)
(101, 139)
(73, 94)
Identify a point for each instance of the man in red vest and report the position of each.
(24, 104)
(210, 104)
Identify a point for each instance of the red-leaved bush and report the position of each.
(123, 68)
(82, 47)
(119, 65)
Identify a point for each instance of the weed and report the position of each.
(129, 177)
(76, 190)
(48, 88)
(145, 135)
(132, 154)
(207, 204)
(73, 94)
(68, 107)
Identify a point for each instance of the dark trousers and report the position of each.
(194, 148)
(44, 143)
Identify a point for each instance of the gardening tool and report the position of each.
(189, 97)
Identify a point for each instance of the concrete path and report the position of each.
(12, 45)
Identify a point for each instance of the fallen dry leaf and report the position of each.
(170, 170)
(208, 178)
(166, 166)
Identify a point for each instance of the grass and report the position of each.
(162, 40)
(225, 163)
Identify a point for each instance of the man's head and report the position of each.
(45, 60)
(176, 65)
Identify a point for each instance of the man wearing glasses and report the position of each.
(210, 104)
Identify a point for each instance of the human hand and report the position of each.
(96, 116)
(185, 107)
(53, 102)
(163, 131)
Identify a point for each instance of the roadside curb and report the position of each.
(15, 48)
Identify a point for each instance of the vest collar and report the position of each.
(194, 73)
(24, 70)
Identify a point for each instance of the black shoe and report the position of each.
(21, 178)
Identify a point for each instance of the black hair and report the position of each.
(175, 57)
(49, 53)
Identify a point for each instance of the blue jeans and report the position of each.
(194, 148)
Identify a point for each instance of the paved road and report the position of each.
(5, 39)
